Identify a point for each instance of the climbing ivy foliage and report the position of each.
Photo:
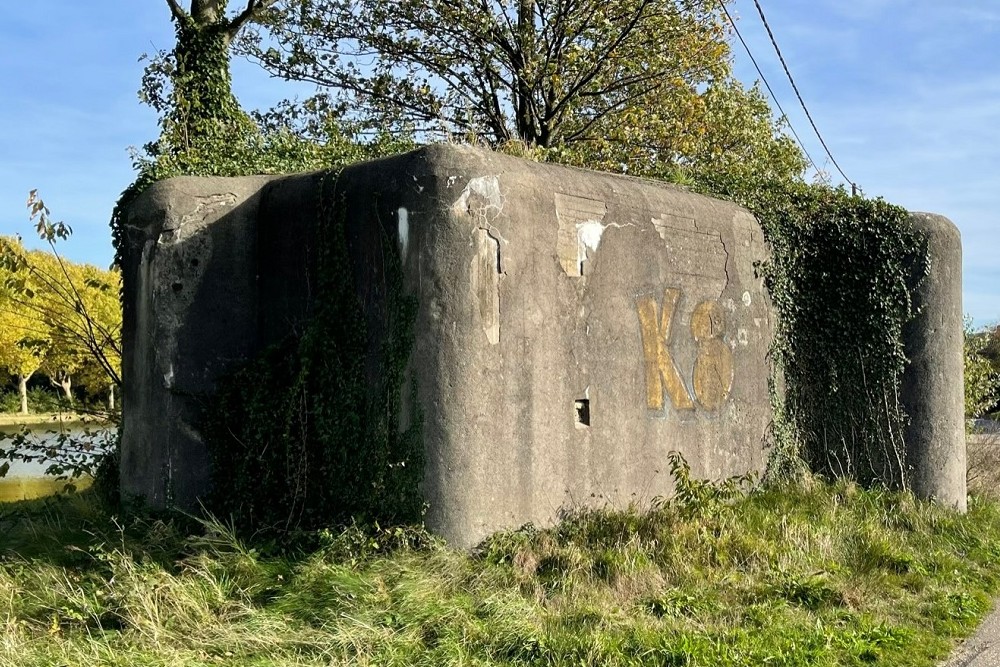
(205, 132)
(309, 433)
(841, 277)
(289, 397)
(203, 103)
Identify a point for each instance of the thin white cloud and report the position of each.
(909, 103)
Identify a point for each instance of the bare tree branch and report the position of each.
(253, 6)
(176, 10)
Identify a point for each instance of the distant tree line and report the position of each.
(982, 371)
(59, 320)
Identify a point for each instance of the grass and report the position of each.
(813, 574)
(30, 488)
(52, 419)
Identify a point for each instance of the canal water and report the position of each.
(25, 480)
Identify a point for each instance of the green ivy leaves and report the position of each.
(842, 277)
(305, 436)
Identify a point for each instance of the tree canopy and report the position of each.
(57, 316)
(641, 86)
(982, 371)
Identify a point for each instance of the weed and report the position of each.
(674, 604)
(696, 496)
(811, 591)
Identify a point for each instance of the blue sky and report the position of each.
(905, 92)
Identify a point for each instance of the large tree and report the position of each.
(200, 101)
(203, 129)
(190, 87)
(23, 343)
(56, 315)
(643, 86)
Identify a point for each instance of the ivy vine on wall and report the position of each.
(842, 278)
(306, 435)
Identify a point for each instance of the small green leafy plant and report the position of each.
(695, 497)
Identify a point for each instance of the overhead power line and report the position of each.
(770, 91)
(788, 73)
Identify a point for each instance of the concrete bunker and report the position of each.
(572, 329)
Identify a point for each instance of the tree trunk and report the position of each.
(22, 389)
(206, 12)
(64, 381)
(203, 97)
(526, 39)
(67, 386)
(111, 399)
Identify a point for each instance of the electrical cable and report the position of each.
(770, 91)
(784, 65)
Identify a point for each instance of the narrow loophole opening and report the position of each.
(582, 407)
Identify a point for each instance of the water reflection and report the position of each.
(45, 443)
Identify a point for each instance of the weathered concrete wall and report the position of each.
(933, 392)
(573, 327)
(190, 306)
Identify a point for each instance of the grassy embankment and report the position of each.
(13, 420)
(28, 488)
(806, 575)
